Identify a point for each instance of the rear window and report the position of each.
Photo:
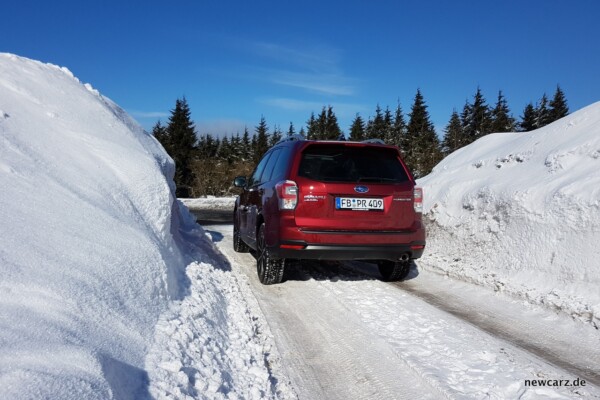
(339, 163)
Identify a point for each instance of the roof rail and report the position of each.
(289, 138)
(374, 141)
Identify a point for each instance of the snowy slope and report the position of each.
(85, 213)
(99, 283)
(520, 212)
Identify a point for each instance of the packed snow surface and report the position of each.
(100, 285)
(520, 212)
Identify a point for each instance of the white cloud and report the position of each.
(314, 69)
(318, 59)
(320, 83)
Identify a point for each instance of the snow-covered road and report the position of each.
(341, 333)
(109, 289)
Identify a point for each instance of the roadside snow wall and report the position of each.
(520, 212)
(87, 247)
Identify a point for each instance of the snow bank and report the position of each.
(210, 203)
(520, 212)
(97, 299)
(214, 343)
(85, 209)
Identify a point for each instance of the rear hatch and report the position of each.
(353, 187)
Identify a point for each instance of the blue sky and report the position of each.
(236, 61)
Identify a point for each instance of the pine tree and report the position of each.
(528, 119)
(375, 128)
(357, 129)
(423, 151)
(160, 133)
(388, 126)
(276, 136)
(291, 130)
(466, 117)
(478, 122)
(325, 126)
(332, 128)
(182, 136)
(398, 132)
(454, 135)
(236, 147)
(311, 127)
(558, 105)
(247, 146)
(201, 147)
(253, 149)
(542, 112)
(321, 125)
(502, 121)
(216, 147)
(225, 152)
(262, 139)
(208, 146)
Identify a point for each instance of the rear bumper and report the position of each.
(287, 240)
(346, 252)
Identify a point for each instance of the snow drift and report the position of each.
(520, 212)
(85, 209)
(108, 288)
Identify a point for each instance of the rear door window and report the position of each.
(255, 178)
(339, 163)
(266, 175)
(282, 164)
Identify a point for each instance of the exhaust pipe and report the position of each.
(404, 257)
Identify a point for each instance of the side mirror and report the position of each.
(239, 181)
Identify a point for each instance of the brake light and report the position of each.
(287, 192)
(418, 202)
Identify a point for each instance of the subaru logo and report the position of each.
(361, 189)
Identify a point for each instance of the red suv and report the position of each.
(330, 200)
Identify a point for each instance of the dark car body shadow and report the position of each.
(333, 271)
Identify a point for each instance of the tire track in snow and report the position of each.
(557, 339)
(401, 332)
(461, 357)
(580, 356)
(326, 352)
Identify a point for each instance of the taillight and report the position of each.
(418, 203)
(287, 192)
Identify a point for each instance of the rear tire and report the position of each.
(238, 244)
(392, 271)
(270, 270)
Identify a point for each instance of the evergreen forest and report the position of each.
(207, 164)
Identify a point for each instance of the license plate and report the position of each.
(355, 203)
